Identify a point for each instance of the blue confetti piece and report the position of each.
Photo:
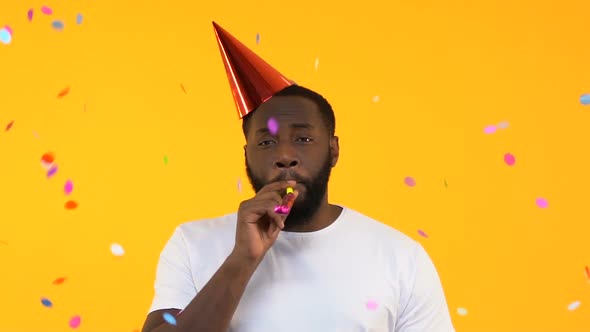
(57, 24)
(585, 99)
(46, 302)
(5, 36)
(79, 18)
(169, 318)
(257, 38)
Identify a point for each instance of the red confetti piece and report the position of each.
(182, 87)
(48, 158)
(59, 281)
(9, 125)
(421, 232)
(70, 205)
(509, 159)
(588, 272)
(63, 92)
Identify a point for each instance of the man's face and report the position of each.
(300, 150)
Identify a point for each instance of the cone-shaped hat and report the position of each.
(251, 79)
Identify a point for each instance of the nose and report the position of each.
(286, 157)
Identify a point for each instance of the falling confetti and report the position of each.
(509, 159)
(71, 205)
(165, 160)
(46, 10)
(8, 29)
(59, 281)
(462, 311)
(68, 187)
(30, 15)
(57, 25)
(5, 36)
(410, 181)
(63, 92)
(48, 158)
(421, 232)
(273, 126)
(573, 306)
(490, 129)
(446, 184)
(79, 19)
(240, 185)
(35, 134)
(503, 125)
(9, 126)
(585, 99)
(169, 318)
(117, 249)
(51, 172)
(75, 322)
(375, 99)
(182, 87)
(317, 63)
(45, 302)
(542, 203)
(588, 273)
(257, 38)
(372, 305)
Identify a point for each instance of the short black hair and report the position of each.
(324, 106)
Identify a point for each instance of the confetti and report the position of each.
(71, 205)
(48, 158)
(59, 281)
(63, 92)
(75, 322)
(372, 305)
(446, 184)
(57, 25)
(51, 172)
(585, 99)
(542, 203)
(509, 159)
(68, 187)
(317, 63)
(182, 87)
(573, 306)
(375, 99)
(273, 126)
(79, 19)
(588, 272)
(503, 125)
(165, 160)
(30, 15)
(35, 134)
(410, 181)
(46, 10)
(257, 38)
(5, 36)
(240, 185)
(46, 302)
(117, 249)
(9, 126)
(462, 311)
(490, 129)
(8, 29)
(169, 318)
(421, 232)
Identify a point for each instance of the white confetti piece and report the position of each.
(462, 311)
(317, 63)
(375, 99)
(573, 306)
(117, 249)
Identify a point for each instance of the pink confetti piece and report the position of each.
(421, 232)
(273, 126)
(509, 159)
(46, 10)
(409, 181)
(75, 322)
(68, 187)
(372, 305)
(9, 29)
(51, 172)
(30, 15)
(542, 203)
(490, 129)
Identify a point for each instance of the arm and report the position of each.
(424, 308)
(213, 307)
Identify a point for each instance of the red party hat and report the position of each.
(252, 80)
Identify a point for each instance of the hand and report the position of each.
(258, 225)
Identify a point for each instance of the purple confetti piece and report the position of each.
(46, 10)
(68, 187)
(273, 126)
(410, 181)
(30, 15)
(51, 172)
(421, 232)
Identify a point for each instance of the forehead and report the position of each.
(287, 109)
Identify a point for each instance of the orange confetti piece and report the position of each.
(48, 158)
(70, 205)
(2, 242)
(59, 281)
(588, 272)
(9, 126)
(63, 92)
(183, 89)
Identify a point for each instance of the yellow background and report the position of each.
(442, 71)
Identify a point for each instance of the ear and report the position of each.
(334, 150)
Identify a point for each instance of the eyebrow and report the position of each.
(265, 130)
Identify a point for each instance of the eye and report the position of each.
(265, 142)
(305, 139)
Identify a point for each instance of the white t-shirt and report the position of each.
(356, 275)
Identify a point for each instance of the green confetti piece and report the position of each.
(165, 160)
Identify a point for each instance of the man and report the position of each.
(322, 267)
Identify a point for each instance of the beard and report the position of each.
(308, 202)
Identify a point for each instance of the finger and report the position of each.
(273, 196)
(277, 186)
(275, 217)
